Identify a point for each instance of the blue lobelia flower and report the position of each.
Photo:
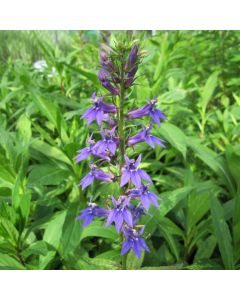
(95, 174)
(134, 241)
(88, 214)
(86, 152)
(120, 213)
(145, 136)
(109, 142)
(96, 112)
(148, 109)
(103, 77)
(131, 172)
(137, 212)
(145, 195)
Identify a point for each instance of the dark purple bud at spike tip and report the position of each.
(104, 58)
(103, 77)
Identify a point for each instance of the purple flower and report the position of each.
(107, 143)
(120, 213)
(95, 174)
(86, 152)
(103, 77)
(134, 241)
(131, 172)
(104, 58)
(109, 120)
(89, 213)
(96, 112)
(131, 66)
(148, 109)
(145, 136)
(137, 212)
(145, 195)
(132, 59)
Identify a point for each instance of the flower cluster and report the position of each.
(117, 74)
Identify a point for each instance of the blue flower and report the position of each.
(95, 174)
(86, 152)
(88, 214)
(120, 213)
(131, 172)
(148, 109)
(109, 142)
(134, 241)
(145, 136)
(145, 195)
(96, 112)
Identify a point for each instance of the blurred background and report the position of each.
(46, 81)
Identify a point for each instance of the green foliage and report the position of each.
(195, 76)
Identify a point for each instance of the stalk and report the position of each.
(121, 124)
(121, 134)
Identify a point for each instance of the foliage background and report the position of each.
(195, 75)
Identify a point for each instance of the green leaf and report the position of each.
(111, 254)
(206, 248)
(6, 177)
(97, 228)
(213, 160)
(9, 263)
(8, 231)
(52, 112)
(72, 230)
(52, 236)
(46, 174)
(25, 205)
(96, 264)
(168, 201)
(208, 90)
(133, 262)
(174, 136)
(50, 151)
(24, 131)
(37, 248)
(222, 233)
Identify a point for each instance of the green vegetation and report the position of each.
(195, 76)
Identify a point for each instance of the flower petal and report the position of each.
(125, 177)
(126, 246)
(128, 217)
(144, 176)
(136, 248)
(86, 181)
(136, 179)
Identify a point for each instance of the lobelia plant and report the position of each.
(117, 75)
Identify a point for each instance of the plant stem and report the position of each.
(121, 134)
(121, 124)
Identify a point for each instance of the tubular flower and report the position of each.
(95, 174)
(96, 112)
(103, 77)
(145, 136)
(109, 142)
(134, 241)
(145, 195)
(88, 214)
(148, 109)
(131, 172)
(86, 152)
(120, 213)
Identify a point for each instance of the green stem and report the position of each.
(121, 134)
(121, 123)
